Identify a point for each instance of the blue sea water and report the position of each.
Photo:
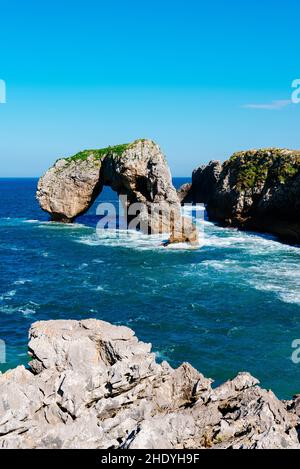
(233, 304)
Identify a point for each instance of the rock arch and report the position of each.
(138, 170)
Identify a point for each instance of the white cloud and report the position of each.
(270, 106)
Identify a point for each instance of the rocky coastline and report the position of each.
(91, 384)
(255, 190)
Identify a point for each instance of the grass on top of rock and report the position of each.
(255, 167)
(102, 152)
(98, 154)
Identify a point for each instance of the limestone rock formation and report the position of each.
(260, 190)
(94, 385)
(185, 194)
(204, 181)
(138, 171)
(254, 190)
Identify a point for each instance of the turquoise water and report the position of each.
(231, 305)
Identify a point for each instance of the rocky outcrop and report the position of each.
(204, 181)
(136, 171)
(260, 190)
(94, 385)
(255, 190)
(185, 194)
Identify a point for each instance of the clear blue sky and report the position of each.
(202, 78)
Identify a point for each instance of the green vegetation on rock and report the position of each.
(254, 167)
(99, 154)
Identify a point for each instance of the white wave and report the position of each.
(255, 244)
(224, 242)
(22, 281)
(220, 265)
(164, 355)
(235, 330)
(134, 240)
(123, 238)
(29, 308)
(290, 271)
(286, 292)
(290, 297)
(27, 312)
(18, 220)
(184, 246)
(11, 221)
(64, 226)
(26, 309)
(8, 295)
(11, 293)
(8, 309)
(161, 356)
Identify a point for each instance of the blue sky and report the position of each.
(202, 78)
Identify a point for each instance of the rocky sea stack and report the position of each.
(253, 190)
(138, 171)
(94, 385)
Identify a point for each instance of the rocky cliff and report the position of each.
(185, 194)
(204, 181)
(253, 190)
(94, 385)
(138, 171)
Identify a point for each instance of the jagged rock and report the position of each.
(260, 190)
(137, 171)
(204, 181)
(185, 194)
(94, 385)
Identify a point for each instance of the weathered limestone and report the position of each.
(94, 385)
(204, 181)
(185, 194)
(260, 190)
(254, 190)
(138, 171)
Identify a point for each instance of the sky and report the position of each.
(203, 79)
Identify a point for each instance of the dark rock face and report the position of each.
(95, 385)
(138, 171)
(259, 190)
(204, 181)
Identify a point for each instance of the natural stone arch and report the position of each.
(138, 170)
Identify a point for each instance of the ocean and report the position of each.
(231, 305)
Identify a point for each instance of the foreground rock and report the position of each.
(138, 172)
(254, 190)
(94, 385)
